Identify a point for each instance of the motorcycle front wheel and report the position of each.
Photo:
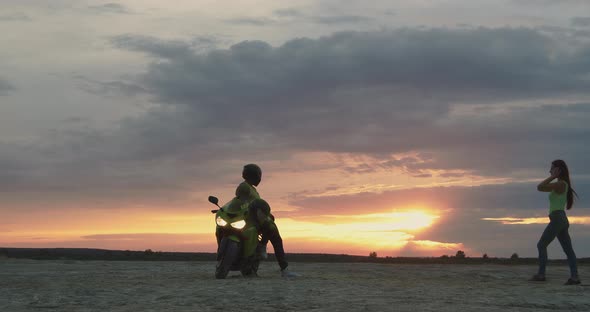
(250, 268)
(228, 256)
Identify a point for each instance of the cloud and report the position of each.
(390, 12)
(113, 8)
(289, 15)
(252, 21)
(168, 49)
(391, 58)
(109, 88)
(288, 12)
(580, 21)
(341, 19)
(18, 16)
(581, 33)
(426, 248)
(411, 76)
(6, 87)
(467, 101)
(409, 164)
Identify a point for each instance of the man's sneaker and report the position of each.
(288, 274)
(573, 281)
(261, 250)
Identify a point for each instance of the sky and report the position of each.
(406, 128)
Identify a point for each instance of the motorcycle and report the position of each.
(236, 251)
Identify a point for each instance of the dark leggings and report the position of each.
(557, 227)
(271, 232)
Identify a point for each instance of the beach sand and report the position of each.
(29, 285)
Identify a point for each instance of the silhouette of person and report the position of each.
(561, 195)
(259, 213)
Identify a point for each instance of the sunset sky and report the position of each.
(408, 128)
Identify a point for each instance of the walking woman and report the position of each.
(561, 195)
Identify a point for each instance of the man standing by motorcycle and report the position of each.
(259, 212)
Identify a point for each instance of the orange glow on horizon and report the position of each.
(379, 231)
(73, 227)
(385, 232)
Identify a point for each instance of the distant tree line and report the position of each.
(103, 254)
(150, 255)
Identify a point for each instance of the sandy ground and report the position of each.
(28, 285)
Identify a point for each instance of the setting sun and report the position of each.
(410, 220)
(387, 231)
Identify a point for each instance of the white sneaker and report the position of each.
(288, 274)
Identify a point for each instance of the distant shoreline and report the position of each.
(84, 254)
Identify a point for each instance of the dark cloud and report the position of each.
(564, 32)
(111, 7)
(5, 87)
(555, 29)
(341, 19)
(18, 16)
(370, 93)
(581, 33)
(109, 88)
(288, 12)
(168, 49)
(133, 161)
(412, 78)
(580, 21)
(432, 60)
(252, 21)
(285, 16)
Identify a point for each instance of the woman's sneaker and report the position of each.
(573, 281)
(537, 278)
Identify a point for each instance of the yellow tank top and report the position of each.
(558, 201)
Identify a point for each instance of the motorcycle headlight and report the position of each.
(220, 221)
(239, 224)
